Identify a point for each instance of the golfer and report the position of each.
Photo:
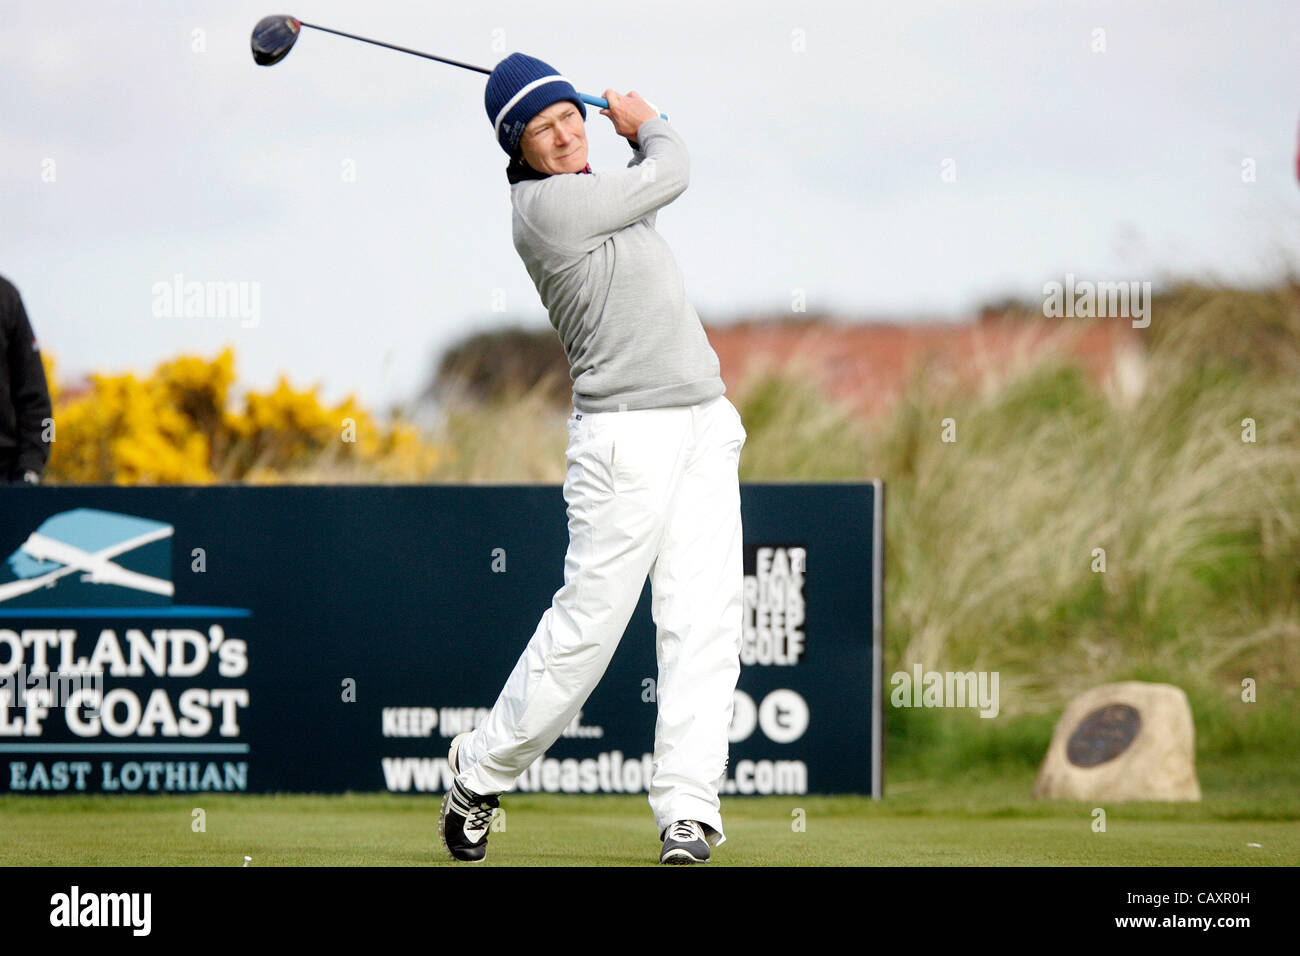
(651, 486)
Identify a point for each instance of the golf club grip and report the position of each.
(603, 103)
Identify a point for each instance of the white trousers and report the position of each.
(652, 491)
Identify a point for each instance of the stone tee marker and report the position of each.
(1127, 741)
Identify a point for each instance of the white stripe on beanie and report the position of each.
(554, 77)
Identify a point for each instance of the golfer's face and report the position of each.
(556, 140)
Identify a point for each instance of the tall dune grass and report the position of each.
(991, 538)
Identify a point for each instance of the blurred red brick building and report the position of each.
(867, 365)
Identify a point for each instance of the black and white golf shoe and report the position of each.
(466, 817)
(684, 843)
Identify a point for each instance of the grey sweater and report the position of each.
(610, 283)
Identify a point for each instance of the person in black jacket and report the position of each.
(24, 395)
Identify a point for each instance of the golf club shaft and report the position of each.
(596, 101)
(401, 49)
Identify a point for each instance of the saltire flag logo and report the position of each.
(87, 557)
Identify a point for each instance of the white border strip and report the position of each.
(877, 641)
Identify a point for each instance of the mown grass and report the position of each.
(975, 820)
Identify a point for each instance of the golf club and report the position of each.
(274, 37)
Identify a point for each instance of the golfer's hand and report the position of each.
(627, 113)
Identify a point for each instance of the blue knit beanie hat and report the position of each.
(519, 88)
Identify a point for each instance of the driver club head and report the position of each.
(273, 38)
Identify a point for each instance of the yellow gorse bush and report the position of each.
(176, 427)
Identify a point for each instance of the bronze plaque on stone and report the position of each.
(1103, 735)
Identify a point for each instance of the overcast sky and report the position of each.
(888, 159)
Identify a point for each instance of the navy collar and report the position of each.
(519, 170)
